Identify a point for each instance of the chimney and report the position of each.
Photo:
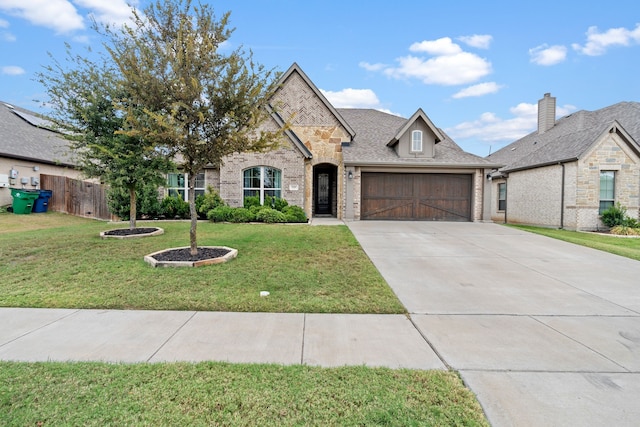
(546, 113)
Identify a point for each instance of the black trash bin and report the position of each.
(42, 202)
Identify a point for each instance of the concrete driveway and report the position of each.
(543, 331)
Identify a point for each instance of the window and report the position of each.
(607, 190)
(416, 141)
(178, 185)
(262, 181)
(502, 196)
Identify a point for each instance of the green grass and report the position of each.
(71, 394)
(59, 261)
(626, 247)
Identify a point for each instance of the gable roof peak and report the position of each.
(419, 114)
(295, 68)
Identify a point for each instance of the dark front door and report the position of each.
(323, 193)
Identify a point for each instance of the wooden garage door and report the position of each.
(413, 196)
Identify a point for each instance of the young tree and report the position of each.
(199, 100)
(82, 97)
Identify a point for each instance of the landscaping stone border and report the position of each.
(158, 231)
(231, 254)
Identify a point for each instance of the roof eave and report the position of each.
(423, 165)
(540, 165)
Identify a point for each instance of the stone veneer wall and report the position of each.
(610, 154)
(325, 142)
(478, 194)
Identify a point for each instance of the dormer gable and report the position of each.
(417, 137)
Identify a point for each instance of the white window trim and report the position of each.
(186, 185)
(261, 190)
(414, 141)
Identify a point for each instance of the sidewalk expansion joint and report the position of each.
(171, 336)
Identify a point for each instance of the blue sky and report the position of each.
(477, 69)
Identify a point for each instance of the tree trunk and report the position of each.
(133, 209)
(194, 214)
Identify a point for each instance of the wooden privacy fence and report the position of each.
(76, 197)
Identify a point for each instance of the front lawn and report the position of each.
(625, 246)
(58, 261)
(97, 394)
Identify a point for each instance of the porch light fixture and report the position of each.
(350, 175)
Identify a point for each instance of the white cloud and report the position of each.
(448, 70)
(493, 129)
(59, 15)
(64, 16)
(478, 90)
(3, 23)
(352, 98)
(372, 67)
(477, 40)
(444, 63)
(442, 46)
(112, 12)
(598, 43)
(12, 70)
(548, 55)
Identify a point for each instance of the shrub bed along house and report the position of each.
(619, 222)
(208, 206)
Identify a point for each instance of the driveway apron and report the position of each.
(543, 331)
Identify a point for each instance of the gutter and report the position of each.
(562, 196)
(424, 165)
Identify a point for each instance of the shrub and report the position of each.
(623, 230)
(220, 214)
(613, 216)
(270, 216)
(175, 207)
(294, 214)
(147, 202)
(210, 200)
(252, 202)
(275, 203)
(242, 215)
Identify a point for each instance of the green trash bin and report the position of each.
(23, 200)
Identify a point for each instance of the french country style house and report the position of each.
(353, 164)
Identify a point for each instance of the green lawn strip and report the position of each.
(231, 394)
(319, 269)
(623, 246)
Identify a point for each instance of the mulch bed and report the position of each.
(184, 254)
(130, 231)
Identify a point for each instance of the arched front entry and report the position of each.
(325, 190)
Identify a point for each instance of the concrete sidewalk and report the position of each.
(168, 336)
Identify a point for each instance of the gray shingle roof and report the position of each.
(569, 138)
(20, 139)
(374, 129)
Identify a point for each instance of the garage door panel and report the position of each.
(433, 197)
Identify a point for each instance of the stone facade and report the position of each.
(610, 154)
(543, 201)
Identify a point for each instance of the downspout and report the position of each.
(562, 197)
(506, 198)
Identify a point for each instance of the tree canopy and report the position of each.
(187, 92)
(83, 96)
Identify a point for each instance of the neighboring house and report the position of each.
(353, 163)
(28, 148)
(568, 172)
